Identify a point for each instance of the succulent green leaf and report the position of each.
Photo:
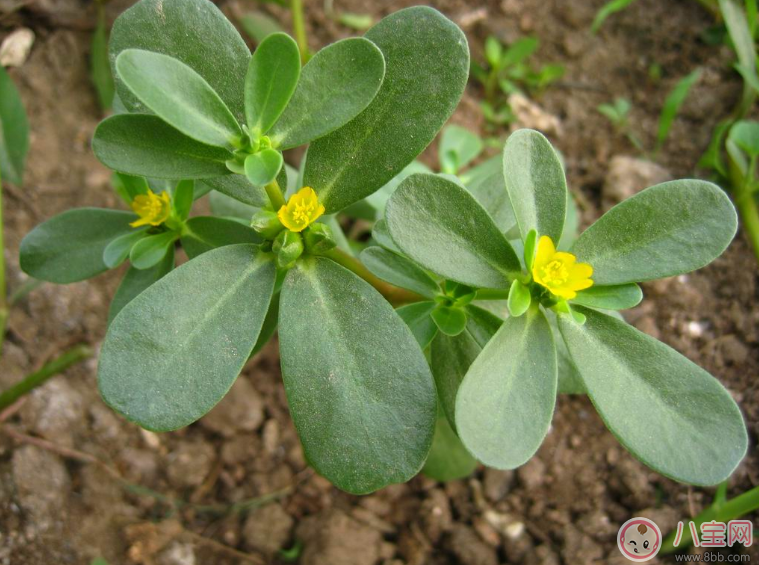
(193, 31)
(570, 381)
(458, 147)
(270, 325)
(505, 403)
(14, 131)
(671, 414)
(381, 235)
(183, 197)
(615, 297)
(359, 388)
(272, 76)
(117, 251)
(128, 186)
(417, 318)
(448, 459)
(227, 207)
(450, 359)
(442, 227)
(258, 26)
(151, 249)
(530, 247)
(336, 85)
(261, 168)
(204, 233)
(239, 188)
(144, 145)
(167, 360)
(485, 182)
(376, 202)
(449, 320)
(399, 271)
(482, 324)
(418, 95)
(137, 280)
(519, 298)
(535, 182)
(668, 229)
(571, 225)
(179, 96)
(69, 247)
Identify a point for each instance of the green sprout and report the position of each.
(507, 71)
(445, 343)
(618, 113)
(721, 509)
(723, 156)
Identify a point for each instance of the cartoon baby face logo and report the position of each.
(639, 539)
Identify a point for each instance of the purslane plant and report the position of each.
(667, 411)
(365, 400)
(357, 383)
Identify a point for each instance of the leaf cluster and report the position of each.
(468, 366)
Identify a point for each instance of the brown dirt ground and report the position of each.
(565, 506)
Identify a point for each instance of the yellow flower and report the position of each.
(559, 272)
(153, 209)
(301, 210)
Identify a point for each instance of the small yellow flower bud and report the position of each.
(153, 209)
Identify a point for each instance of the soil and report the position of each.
(81, 483)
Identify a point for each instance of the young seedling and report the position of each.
(365, 400)
(720, 510)
(618, 114)
(731, 153)
(507, 71)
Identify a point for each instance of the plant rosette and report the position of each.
(197, 106)
(366, 403)
(499, 397)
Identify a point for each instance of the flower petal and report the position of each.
(568, 259)
(545, 253)
(580, 284)
(564, 292)
(580, 271)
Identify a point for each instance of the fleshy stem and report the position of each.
(275, 195)
(492, 294)
(722, 510)
(299, 28)
(32, 381)
(396, 296)
(744, 201)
